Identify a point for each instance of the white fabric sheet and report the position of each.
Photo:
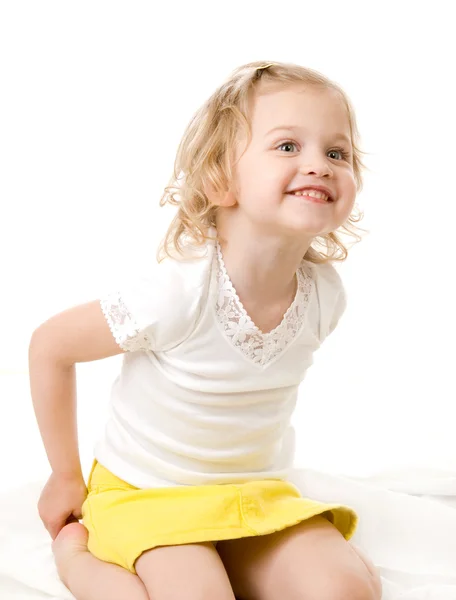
(407, 527)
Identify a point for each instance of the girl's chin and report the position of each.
(314, 228)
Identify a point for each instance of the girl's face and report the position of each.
(300, 137)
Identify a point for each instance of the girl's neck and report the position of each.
(261, 267)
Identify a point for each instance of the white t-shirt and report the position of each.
(203, 396)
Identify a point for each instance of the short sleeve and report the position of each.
(158, 310)
(339, 309)
(332, 298)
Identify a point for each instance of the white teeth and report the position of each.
(312, 193)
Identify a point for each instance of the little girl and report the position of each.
(188, 495)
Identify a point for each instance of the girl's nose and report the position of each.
(316, 166)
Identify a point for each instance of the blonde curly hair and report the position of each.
(205, 156)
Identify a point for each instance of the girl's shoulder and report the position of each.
(158, 305)
(330, 295)
(326, 276)
(187, 272)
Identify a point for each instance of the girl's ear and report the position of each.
(220, 198)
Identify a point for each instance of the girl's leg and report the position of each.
(191, 571)
(309, 560)
(88, 578)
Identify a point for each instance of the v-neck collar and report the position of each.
(261, 348)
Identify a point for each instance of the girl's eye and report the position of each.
(344, 154)
(287, 144)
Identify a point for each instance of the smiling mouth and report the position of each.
(313, 199)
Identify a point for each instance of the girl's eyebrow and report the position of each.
(337, 136)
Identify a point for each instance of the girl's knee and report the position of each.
(372, 572)
(340, 587)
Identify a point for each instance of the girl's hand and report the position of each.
(61, 501)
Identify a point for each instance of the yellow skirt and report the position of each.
(124, 521)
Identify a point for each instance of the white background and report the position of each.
(94, 99)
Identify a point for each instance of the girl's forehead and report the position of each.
(302, 100)
(298, 106)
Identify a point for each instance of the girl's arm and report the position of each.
(79, 334)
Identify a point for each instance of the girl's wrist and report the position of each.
(68, 475)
